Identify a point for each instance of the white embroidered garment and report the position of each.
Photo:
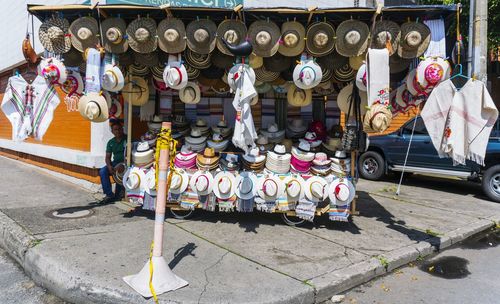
(244, 129)
(459, 122)
(147, 111)
(377, 76)
(29, 107)
(437, 46)
(93, 71)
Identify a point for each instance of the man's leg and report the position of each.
(105, 182)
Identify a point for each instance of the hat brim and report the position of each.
(169, 47)
(195, 46)
(307, 187)
(273, 30)
(279, 191)
(151, 43)
(333, 197)
(119, 23)
(210, 180)
(183, 93)
(140, 173)
(315, 28)
(59, 46)
(299, 29)
(297, 102)
(357, 49)
(135, 90)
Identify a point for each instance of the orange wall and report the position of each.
(68, 129)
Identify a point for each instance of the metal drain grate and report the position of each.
(70, 213)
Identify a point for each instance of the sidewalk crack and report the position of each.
(206, 276)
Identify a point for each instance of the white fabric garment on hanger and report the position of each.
(93, 71)
(377, 76)
(147, 111)
(244, 129)
(437, 46)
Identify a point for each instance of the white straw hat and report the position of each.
(316, 189)
(270, 188)
(202, 182)
(224, 185)
(179, 182)
(246, 185)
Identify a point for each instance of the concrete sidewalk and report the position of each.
(229, 258)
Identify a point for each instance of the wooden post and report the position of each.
(129, 123)
(353, 172)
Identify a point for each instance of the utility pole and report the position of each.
(479, 39)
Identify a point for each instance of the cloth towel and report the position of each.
(262, 205)
(437, 46)
(339, 213)
(226, 205)
(305, 210)
(244, 129)
(93, 71)
(459, 122)
(284, 205)
(189, 200)
(377, 76)
(245, 205)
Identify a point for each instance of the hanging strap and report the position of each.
(408, 150)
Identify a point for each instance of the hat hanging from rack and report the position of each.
(73, 84)
(112, 78)
(316, 189)
(386, 31)
(221, 60)
(54, 35)
(398, 64)
(293, 39)
(432, 70)
(233, 31)
(352, 38)
(202, 182)
(320, 39)
(344, 99)
(72, 58)
(200, 35)
(264, 75)
(197, 60)
(356, 61)
(333, 60)
(52, 70)
(175, 74)
(147, 59)
(298, 97)
(113, 30)
(141, 35)
(136, 90)
(344, 74)
(415, 39)
(93, 106)
(277, 63)
(264, 37)
(171, 35)
(190, 94)
(307, 74)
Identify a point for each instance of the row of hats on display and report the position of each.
(143, 35)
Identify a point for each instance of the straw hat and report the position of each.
(307, 74)
(134, 178)
(221, 60)
(316, 189)
(52, 70)
(190, 94)
(303, 151)
(200, 35)
(265, 37)
(222, 128)
(233, 31)
(341, 192)
(93, 106)
(298, 97)
(344, 74)
(357, 61)
(398, 64)
(263, 144)
(73, 84)
(236, 71)
(73, 58)
(197, 60)
(84, 33)
(171, 35)
(224, 185)
(415, 38)
(432, 70)
(112, 78)
(147, 59)
(175, 74)
(352, 38)
(255, 61)
(192, 72)
(263, 87)
(278, 160)
(208, 160)
(213, 73)
(119, 172)
(54, 35)
(253, 156)
(273, 134)
(138, 69)
(143, 154)
(114, 30)
(377, 119)
(320, 39)
(195, 137)
(277, 63)
(296, 128)
(229, 162)
(333, 60)
(270, 188)
(384, 31)
(293, 36)
(331, 145)
(136, 90)
(264, 75)
(179, 181)
(141, 35)
(344, 99)
(294, 188)
(202, 182)
(361, 78)
(325, 88)
(246, 185)
(217, 142)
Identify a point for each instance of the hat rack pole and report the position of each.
(129, 122)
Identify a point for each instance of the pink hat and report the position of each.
(321, 159)
(300, 166)
(431, 71)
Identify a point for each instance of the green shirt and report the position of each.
(116, 149)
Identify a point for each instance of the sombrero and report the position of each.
(357, 61)
(54, 35)
(432, 70)
(415, 38)
(134, 178)
(386, 31)
(221, 60)
(246, 185)
(112, 78)
(377, 119)
(224, 185)
(175, 74)
(136, 90)
(255, 61)
(72, 58)
(320, 39)
(341, 192)
(93, 106)
(307, 74)
(294, 187)
(333, 60)
(171, 35)
(352, 38)
(179, 181)
(264, 36)
(344, 74)
(197, 60)
(264, 75)
(277, 63)
(200, 35)
(141, 35)
(298, 97)
(114, 30)
(233, 31)
(270, 187)
(84, 33)
(293, 41)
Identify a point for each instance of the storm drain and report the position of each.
(70, 213)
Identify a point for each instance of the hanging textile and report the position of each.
(437, 46)
(377, 76)
(244, 130)
(93, 71)
(147, 111)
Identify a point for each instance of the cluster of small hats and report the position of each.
(143, 152)
(200, 135)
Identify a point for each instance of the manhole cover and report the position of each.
(70, 213)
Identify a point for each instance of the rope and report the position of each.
(459, 36)
(151, 288)
(408, 150)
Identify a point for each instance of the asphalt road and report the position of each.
(468, 273)
(17, 288)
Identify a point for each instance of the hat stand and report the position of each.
(156, 277)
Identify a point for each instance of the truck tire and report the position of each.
(371, 165)
(491, 183)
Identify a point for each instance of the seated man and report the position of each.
(114, 155)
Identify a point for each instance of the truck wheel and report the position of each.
(371, 165)
(491, 183)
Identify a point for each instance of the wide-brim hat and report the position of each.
(297, 126)
(246, 185)
(138, 69)
(112, 79)
(195, 137)
(277, 63)
(302, 155)
(254, 157)
(190, 94)
(332, 144)
(171, 35)
(325, 88)
(200, 35)
(415, 39)
(273, 132)
(203, 180)
(357, 61)
(333, 60)
(134, 178)
(264, 37)
(344, 74)
(412, 83)
(113, 35)
(294, 187)
(321, 159)
(316, 189)
(93, 106)
(73, 84)
(233, 31)
(255, 61)
(54, 35)
(179, 181)
(293, 39)
(119, 172)
(235, 73)
(192, 72)
(386, 30)
(398, 64)
(264, 75)
(143, 154)
(73, 58)
(197, 60)
(53, 70)
(352, 38)
(344, 99)
(213, 73)
(224, 184)
(141, 35)
(320, 39)
(157, 72)
(377, 119)
(175, 75)
(147, 59)
(361, 78)
(307, 74)
(268, 184)
(136, 90)
(221, 60)
(403, 96)
(298, 97)
(431, 71)
(341, 192)
(84, 33)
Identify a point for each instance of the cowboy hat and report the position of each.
(277, 63)
(190, 94)
(431, 71)
(278, 160)
(141, 35)
(112, 78)
(175, 74)
(200, 35)
(263, 144)
(136, 90)
(233, 31)
(303, 151)
(150, 181)
(143, 154)
(264, 36)
(134, 178)
(229, 162)
(307, 74)
(352, 38)
(171, 33)
(377, 119)
(415, 38)
(298, 97)
(361, 78)
(344, 99)
(119, 172)
(202, 182)
(320, 39)
(73, 84)
(293, 40)
(195, 137)
(246, 185)
(179, 181)
(234, 74)
(341, 192)
(84, 33)
(197, 60)
(116, 108)
(114, 30)
(54, 35)
(316, 189)
(294, 187)
(386, 31)
(217, 142)
(270, 188)
(222, 128)
(224, 185)
(53, 70)
(273, 133)
(93, 106)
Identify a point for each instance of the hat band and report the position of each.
(280, 153)
(303, 150)
(195, 136)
